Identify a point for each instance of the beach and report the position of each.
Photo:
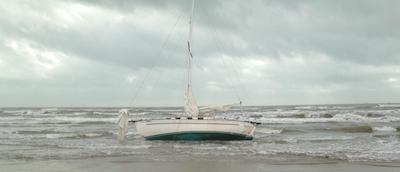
(195, 164)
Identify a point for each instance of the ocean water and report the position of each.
(350, 133)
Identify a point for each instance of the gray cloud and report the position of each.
(96, 53)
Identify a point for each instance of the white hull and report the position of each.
(186, 129)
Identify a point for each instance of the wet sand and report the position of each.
(196, 164)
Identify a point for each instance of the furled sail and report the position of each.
(123, 124)
(191, 108)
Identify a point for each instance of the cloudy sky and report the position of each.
(99, 53)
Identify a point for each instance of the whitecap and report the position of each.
(323, 114)
(384, 129)
(53, 136)
(389, 105)
(293, 120)
(106, 113)
(269, 131)
(79, 113)
(80, 119)
(18, 112)
(72, 135)
(311, 107)
(341, 117)
(349, 117)
(48, 110)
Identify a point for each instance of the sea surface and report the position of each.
(349, 133)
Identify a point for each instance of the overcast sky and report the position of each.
(97, 53)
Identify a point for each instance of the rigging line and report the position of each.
(230, 78)
(177, 48)
(158, 54)
(236, 73)
(228, 72)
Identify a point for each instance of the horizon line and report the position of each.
(125, 106)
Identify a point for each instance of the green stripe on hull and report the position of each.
(195, 136)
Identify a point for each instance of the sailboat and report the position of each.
(196, 123)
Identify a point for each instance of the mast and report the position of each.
(190, 107)
(190, 55)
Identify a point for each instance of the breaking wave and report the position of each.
(72, 135)
(269, 131)
(320, 118)
(384, 129)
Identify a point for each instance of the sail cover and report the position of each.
(209, 110)
(191, 108)
(123, 124)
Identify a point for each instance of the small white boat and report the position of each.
(196, 123)
(195, 129)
